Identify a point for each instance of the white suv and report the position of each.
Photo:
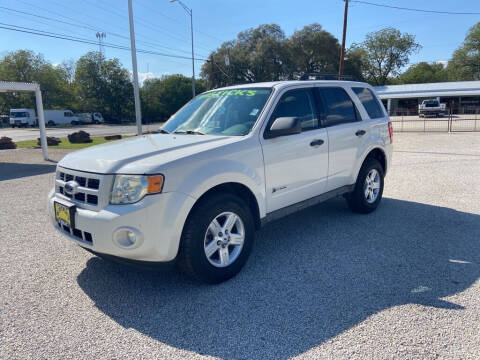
(229, 161)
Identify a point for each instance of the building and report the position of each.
(460, 97)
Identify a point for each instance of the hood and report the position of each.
(141, 155)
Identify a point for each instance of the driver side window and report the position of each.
(298, 103)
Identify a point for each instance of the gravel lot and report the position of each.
(401, 283)
(22, 134)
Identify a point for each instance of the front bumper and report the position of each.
(157, 220)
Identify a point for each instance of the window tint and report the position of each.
(339, 107)
(369, 102)
(298, 103)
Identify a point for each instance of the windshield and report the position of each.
(222, 112)
(18, 114)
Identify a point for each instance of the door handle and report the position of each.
(360, 132)
(317, 142)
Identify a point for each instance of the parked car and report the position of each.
(22, 118)
(90, 118)
(431, 107)
(226, 163)
(60, 117)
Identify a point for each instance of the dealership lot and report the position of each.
(21, 134)
(402, 282)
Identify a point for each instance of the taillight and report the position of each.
(390, 131)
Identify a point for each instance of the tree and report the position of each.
(465, 62)
(256, 55)
(384, 53)
(424, 72)
(266, 54)
(163, 97)
(104, 86)
(313, 49)
(26, 66)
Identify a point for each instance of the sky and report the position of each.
(164, 27)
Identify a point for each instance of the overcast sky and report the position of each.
(164, 27)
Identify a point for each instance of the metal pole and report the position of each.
(342, 53)
(41, 122)
(193, 57)
(136, 94)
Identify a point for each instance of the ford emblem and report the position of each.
(71, 187)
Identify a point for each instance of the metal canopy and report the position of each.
(443, 89)
(6, 86)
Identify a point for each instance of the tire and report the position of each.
(198, 233)
(51, 123)
(358, 200)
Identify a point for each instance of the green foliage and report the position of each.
(104, 86)
(384, 53)
(25, 66)
(313, 49)
(465, 62)
(164, 96)
(424, 72)
(266, 54)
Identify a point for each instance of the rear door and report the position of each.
(296, 166)
(346, 134)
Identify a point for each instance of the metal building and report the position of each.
(460, 97)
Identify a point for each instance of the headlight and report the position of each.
(128, 189)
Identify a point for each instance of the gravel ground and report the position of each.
(401, 283)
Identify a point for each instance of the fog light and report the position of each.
(127, 238)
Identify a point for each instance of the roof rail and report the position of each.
(326, 76)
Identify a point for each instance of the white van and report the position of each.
(22, 117)
(60, 117)
(91, 118)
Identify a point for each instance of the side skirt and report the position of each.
(277, 214)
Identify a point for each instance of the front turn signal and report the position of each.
(155, 184)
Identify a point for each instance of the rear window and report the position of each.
(369, 102)
(339, 107)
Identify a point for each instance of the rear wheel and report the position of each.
(51, 123)
(368, 191)
(217, 239)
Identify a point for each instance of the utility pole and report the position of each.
(189, 12)
(136, 94)
(342, 54)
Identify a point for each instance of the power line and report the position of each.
(87, 41)
(88, 27)
(178, 21)
(417, 10)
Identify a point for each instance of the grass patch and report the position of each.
(65, 144)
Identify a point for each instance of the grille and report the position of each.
(87, 193)
(84, 236)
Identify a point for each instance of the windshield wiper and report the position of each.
(189, 132)
(162, 131)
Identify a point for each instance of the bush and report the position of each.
(7, 143)
(51, 141)
(112, 137)
(80, 137)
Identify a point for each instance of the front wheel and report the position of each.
(217, 239)
(368, 190)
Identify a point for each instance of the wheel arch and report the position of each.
(238, 189)
(377, 153)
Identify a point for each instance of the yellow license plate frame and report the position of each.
(65, 214)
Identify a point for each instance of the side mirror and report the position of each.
(283, 126)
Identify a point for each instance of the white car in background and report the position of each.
(60, 117)
(90, 118)
(22, 118)
(226, 163)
